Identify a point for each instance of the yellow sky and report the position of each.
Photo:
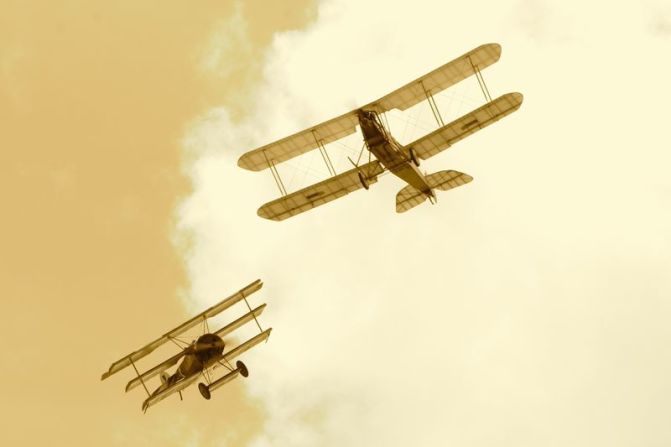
(94, 100)
(528, 307)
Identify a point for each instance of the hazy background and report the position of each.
(95, 98)
(528, 307)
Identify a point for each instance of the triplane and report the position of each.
(199, 357)
(390, 155)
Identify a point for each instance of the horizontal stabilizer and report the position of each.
(408, 198)
(445, 180)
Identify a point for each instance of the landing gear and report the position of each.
(413, 157)
(244, 372)
(363, 181)
(204, 391)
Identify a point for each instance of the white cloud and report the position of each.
(525, 308)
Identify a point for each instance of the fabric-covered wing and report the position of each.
(212, 311)
(320, 193)
(246, 346)
(172, 389)
(158, 369)
(402, 98)
(300, 143)
(440, 139)
(179, 386)
(439, 79)
(246, 318)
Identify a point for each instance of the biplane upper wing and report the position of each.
(402, 98)
(442, 138)
(300, 143)
(439, 79)
(249, 316)
(320, 193)
(212, 311)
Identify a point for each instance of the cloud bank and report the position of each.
(527, 307)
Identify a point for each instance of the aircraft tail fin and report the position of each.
(409, 197)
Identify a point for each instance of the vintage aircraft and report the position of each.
(402, 161)
(198, 358)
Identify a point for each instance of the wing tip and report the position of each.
(519, 97)
(244, 163)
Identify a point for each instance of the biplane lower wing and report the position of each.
(444, 137)
(321, 193)
(212, 311)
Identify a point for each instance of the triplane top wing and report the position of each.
(344, 125)
(390, 155)
(199, 357)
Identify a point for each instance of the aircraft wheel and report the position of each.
(244, 372)
(204, 390)
(363, 181)
(413, 157)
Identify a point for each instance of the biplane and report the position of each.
(390, 155)
(198, 358)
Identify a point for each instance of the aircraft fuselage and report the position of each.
(200, 355)
(390, 152)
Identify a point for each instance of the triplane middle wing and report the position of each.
(389, 154)
(199, 357)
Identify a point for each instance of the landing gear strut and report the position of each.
(413, 157)
(363, 181)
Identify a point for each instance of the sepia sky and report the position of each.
(529, 307)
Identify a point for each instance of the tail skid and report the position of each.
(409, 197)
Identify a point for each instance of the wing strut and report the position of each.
(481, 80)
(325, 155)
(433, 105)
(253, 313)
(276, 175)
(140, 377)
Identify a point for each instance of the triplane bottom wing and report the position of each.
(227, 357)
